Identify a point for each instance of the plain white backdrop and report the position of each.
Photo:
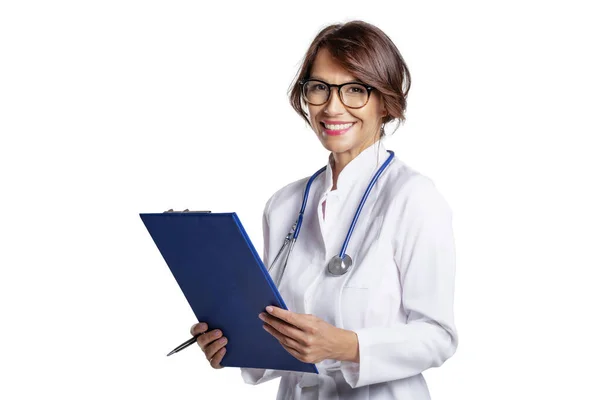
(113, 108)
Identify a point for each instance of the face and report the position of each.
(345, 144)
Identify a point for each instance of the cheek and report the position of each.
(369, 119)
(312, 117)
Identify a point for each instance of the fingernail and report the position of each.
(270, 309)
(203, 327)
(261, 316)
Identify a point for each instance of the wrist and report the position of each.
(349, 346)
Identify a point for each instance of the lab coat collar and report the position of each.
(361, 168)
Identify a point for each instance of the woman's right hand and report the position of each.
(211, 343)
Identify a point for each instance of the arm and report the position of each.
(425, 257)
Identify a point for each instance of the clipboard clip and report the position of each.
(185, 211)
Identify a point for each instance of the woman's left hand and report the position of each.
(309, 338)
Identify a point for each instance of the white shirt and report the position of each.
(397, 297)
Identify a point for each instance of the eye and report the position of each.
(355, 90)
(317, 87)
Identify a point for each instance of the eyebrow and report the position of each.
(325, 80)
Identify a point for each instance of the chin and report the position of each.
(335, 145)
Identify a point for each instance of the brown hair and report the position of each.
(367, 53)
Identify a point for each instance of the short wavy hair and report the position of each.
(366, 52)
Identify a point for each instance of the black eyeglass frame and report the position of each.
(368, 88)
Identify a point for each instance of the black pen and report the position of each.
(186, 344)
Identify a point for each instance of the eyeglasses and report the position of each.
(352, 94)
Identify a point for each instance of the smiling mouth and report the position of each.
(336, 129)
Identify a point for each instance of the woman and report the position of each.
(372, 325)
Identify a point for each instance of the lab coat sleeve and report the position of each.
(255, 376)
(425, 256)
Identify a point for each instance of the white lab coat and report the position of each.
(398, 296)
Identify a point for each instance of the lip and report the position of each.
(336, 132)
(331, 122)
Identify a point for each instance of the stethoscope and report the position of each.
(342, 262)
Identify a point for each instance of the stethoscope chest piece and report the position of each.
(339, 266)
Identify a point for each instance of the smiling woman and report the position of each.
(377, 313)
(347, 57)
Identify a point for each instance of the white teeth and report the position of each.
(338, 127)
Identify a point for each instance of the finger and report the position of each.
(209, 337)
(216, 360)
(295, 353)
(198, 328)
(215, 346)
(271, 320)
(287, 316)
(284, 328)
(283, 339)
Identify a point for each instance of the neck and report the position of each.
(340, 160)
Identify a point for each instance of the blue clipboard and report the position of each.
(225, 282)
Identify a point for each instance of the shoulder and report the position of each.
(409, 190)
(288, 196)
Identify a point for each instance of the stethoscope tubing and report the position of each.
(295, 231)
(363, 201)
(305, 199)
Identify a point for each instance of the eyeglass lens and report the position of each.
(352, 94)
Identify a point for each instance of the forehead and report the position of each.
(328, 69)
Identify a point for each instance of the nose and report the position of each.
(334, 105)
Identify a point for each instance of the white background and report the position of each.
(112, 108)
